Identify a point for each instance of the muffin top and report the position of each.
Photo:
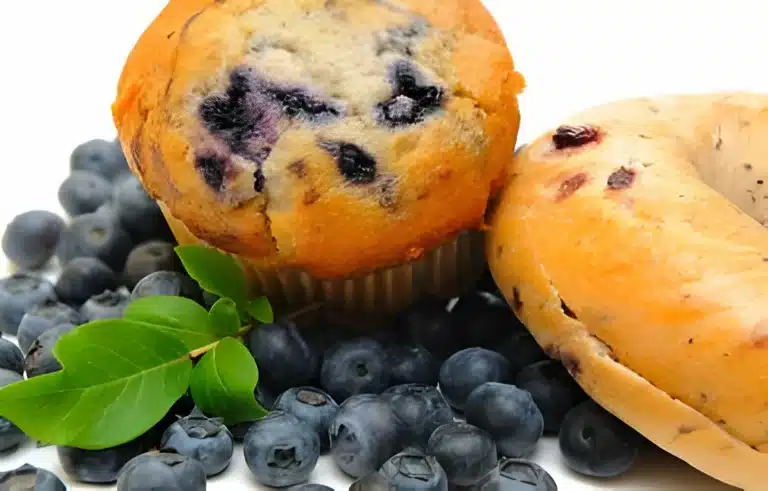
(332, 136)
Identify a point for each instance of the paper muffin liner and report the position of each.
(447, 271)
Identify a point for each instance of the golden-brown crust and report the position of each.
(436, 176)
(639, 257)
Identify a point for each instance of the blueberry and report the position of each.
(39, 359)
(524, 475)
(137, 212)
(280, 450)
(509, 415)
(421, 409)
(428, 323)
(412, 364)
(553, 389)
(520, 349)
(162, 471)
(468, 369)
(312, 406)
(30, 239)
(11, 357)
(354, 163)
(267, 401)
(209, 299)
(18, 294)
(311, 487)
(84, 192)
(204, 439)
(105, 305)
(167, 283)
(352, 367)
(10, 434)
(412, 101)
(414, 471)
(284, 357)
(95, 235)
(150, 257)
(8, 377)
(101, 157)
(483, 319)
(42, 318)
(100, 466)
(82, 278)
(466, 453)
(30, 478)
(364, 434)
(265, 397)
(595, 443)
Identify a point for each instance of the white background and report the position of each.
(61, 59)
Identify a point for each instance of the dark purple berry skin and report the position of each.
(553, 389)
(312, 406)
(414, 471)
(43, 318)
(284, 357)
(468, 369)
(20, 293)
(574, 136)
(355, 164)
(163, 471)
(204, 439)
(421, 409)
(465, 452)
(84, 192)
(524, 475)
(11, 357)
(412, 364)
(30, 239)
(168, 283)
(95, 235)
(10, 435)
(137, 212)
(105, 305)
(428, 323)
(353, 367)
(150, 257)
(39, 359)
(100, 466)
(101, 157)
(483, 319)
(520, 349)
(509, 415)
(30, 478)
(364, 435)
(595, 443)
(412, 100)
(82, 278)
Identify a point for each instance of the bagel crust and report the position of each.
(336, 137)
(630, 241)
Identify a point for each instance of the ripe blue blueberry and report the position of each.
(39, 360)
(137, 212)
(18, 294)
(147, 258)
(10, 434)
(284, 357)
(524, 475)
(101, 466)
(468, 369)
(421, 409)
(466, 453)
(595, 443)
(312, 406)
(30, 239)
(358, 366)
(105, 305)
(204, 439)
(414, 471)
(520, 349)
(11, 357)
(167, 283)
(30, 478)
(428, 323)
(84, 192)
(483, 319)
(162, 471)
(42, 318)
(95, 235)
(412, 364)
(281, 450)
(509, 415)
(82, 278)
(553, 389)
(8, 377)
(364, 434)
(101, 157)
(311, 487)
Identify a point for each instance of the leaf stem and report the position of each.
(201, 351)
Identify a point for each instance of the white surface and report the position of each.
(61, 60)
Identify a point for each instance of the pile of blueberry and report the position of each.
(445, 395)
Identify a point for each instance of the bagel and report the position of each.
(630, 241)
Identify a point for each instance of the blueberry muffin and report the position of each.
(344, 150)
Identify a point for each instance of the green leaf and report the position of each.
(261, 310)
(223, 383)
(215, 271)
(119, 378)
(224, 318)
(178, 316)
